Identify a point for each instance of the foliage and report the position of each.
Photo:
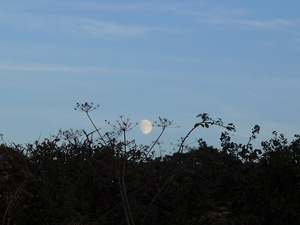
(73, 178)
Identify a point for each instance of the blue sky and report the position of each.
(235, 60)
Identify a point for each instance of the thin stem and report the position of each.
(168, 174)
(123, 180)
(155, 142)
(11, 201)
(123, 196)
(96, 129)
(155, 197)
(180, 149)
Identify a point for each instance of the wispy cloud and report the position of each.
(98, 28)
(69, 24)
(59, 18)
(85, 22)
(45, 68)
(242, 17)
(35, 67)
(264, 24)
(103, 6)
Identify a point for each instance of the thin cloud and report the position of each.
(100, 28)
(78, 25)
(64, 23)
(103, 6)
(32, 67)
(233, 17)
(66, 69)
(97, 28)
(264, 24)
(23, 16)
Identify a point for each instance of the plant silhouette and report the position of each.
(75, 178)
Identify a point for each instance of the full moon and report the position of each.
(145, 126)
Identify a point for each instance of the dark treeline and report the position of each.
(73, 179)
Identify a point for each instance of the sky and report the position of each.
(235, 60)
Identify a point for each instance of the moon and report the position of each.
(145, 126)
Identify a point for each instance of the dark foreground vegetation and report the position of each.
(75, 179)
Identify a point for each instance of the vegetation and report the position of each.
(78, 178)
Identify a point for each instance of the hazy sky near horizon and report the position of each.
(232, 59)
